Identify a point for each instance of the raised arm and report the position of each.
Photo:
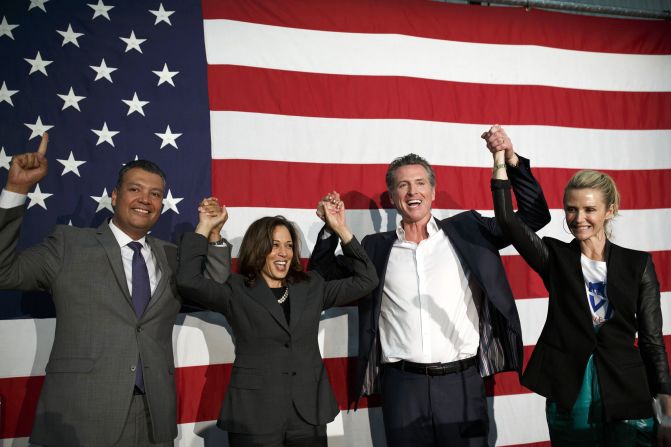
(202, 268)
(531, 203)
(218, 261)
(363, 278)
(513, 225)
(28, 169)
(34, 268)
(323, 258)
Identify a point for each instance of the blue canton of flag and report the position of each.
(110, 82)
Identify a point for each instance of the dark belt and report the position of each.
(434, 369)
(137, 391)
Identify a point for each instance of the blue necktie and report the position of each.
(141, 294)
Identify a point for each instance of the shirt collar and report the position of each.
(122, 238)
(431, 228)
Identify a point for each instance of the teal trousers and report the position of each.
(584, 425)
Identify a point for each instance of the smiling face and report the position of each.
(137, 202)
(412, 193)
(586, 213)
(278, 261)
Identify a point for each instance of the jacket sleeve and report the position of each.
(362, 281)
(532, 208)
(523, 238)
(650, 339)
(33, 268)
(191, 281)
(218, 262)
(324, 261)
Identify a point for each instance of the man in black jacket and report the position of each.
(443, 316)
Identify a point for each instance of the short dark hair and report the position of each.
(257, 243)
(145, 165)
(410, 159)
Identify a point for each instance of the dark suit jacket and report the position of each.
(276, 364)
(477, 240)
(629, 375)
(90, 375)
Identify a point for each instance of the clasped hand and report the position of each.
(331, 210)
(211, 218)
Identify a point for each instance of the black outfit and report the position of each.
(278, 376)
(629, 373)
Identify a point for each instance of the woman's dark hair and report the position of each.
(258, 243)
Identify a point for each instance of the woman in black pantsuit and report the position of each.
(279, 393)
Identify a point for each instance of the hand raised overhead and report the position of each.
(332, 197)
(211, 218)
(498, 141)
(332, 211)
(28, 169)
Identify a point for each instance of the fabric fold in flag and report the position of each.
(268, 104)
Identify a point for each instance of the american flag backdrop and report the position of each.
(268, 104)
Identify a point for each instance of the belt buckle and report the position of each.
(434, 370)
(446, 368)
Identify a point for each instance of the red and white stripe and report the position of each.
(307, 96)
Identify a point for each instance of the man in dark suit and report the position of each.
(443, 316)
(109, 379)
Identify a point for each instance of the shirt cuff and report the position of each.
(220, 243)
(9, 199)
(327, 233)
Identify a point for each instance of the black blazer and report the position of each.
(629, 375)
(276, 364)
(477, 240)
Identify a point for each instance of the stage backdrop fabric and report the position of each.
(269, 104)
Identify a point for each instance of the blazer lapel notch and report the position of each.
(166, 272)
(262, 294)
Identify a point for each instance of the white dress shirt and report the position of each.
(428, 312)
(127, 258)
(9, 199)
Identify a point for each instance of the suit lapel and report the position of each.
(613, 274)
(263, 296)
(380, 259)
(576, 261)
(111, 247)
(164, 267)
(447, 226)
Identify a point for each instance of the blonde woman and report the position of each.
(598, 381)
